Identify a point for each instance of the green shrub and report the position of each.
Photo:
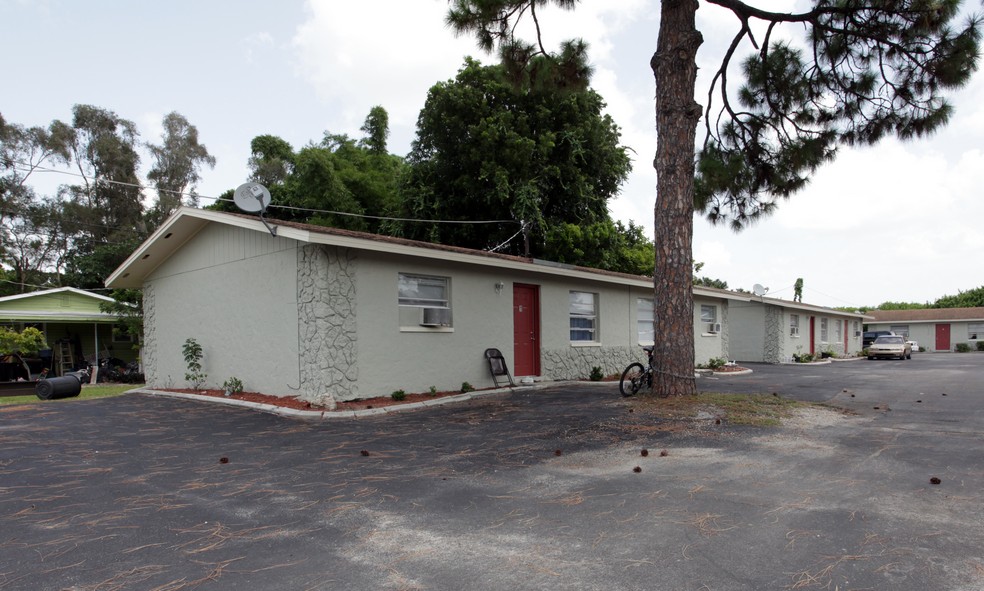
(802, 357)
(192, 352)
(596, 375)
(398, 395)
(716, 362)
(432, 391)
(980, 345)
(233, 385)
(466, 387)
(28, 342)
(962, 348)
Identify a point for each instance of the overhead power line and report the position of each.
(284, 207)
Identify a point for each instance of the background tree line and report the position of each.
(541, 163)
(972, 298)
(79, 233)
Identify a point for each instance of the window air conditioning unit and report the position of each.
(715, 327)
(857, 333)
(436, 317)
(794, 331)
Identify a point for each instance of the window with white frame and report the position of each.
(644, 320)
(583, 316)
(975, 330)
(838, 333)
(823, 330)
(794, 325)
(424, 301)
(857, 329)
(708, 317)
(900, 329)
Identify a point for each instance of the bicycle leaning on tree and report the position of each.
(636, 376)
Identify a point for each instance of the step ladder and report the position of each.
(66, 360)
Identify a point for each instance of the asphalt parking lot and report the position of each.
(533, 489)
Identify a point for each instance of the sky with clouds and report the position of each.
(894, 222)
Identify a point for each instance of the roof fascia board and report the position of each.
(45, 292)
(926, 321)
(806, 307)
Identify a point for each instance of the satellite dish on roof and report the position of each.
(758, 290)
(252, 197)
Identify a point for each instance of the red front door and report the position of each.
(526, 329)
(942, 337)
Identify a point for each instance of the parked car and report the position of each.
(869, 336)
(914, 345)
(890, 346)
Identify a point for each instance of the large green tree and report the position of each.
(340, 181)
(33, 238)
(487, 149)
(176, 170)
(106, 205)
(865, 70)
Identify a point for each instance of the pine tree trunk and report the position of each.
(677, 113)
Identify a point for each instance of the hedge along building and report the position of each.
(330, 315)
(772, 330)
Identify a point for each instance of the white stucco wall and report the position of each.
(708, 345)
(235, 292)
(323, 322)
(746, 321)
(414, 359)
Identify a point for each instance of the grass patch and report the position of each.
(88, 392)
(756, 410)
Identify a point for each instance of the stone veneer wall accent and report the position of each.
(326, 316)
(775, 334)
(725, 336)
(575, 363)
(148, 348)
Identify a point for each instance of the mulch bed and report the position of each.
(362, 404)
(297, 404)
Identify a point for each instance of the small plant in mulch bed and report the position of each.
(432, 391)
(232, 386)
(398, 395)
(596, 375)
(466, 387)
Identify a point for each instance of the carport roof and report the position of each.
(63, 304)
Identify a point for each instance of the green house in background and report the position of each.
(74, 327)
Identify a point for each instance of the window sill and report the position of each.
(436, 329)
(710, 334)
(585, 344)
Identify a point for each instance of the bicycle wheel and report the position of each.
(632, 379)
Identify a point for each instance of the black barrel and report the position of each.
(56, 388)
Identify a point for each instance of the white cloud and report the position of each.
(385, 52)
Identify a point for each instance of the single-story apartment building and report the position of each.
(772, 330)
(935, 329)
(328, 315)
(74, 326)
